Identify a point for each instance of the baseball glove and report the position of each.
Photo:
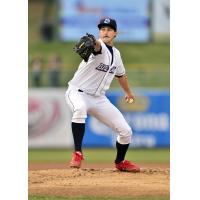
(85, 46)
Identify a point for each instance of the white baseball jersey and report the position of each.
(95, 76)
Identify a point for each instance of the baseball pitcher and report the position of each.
(86, 92)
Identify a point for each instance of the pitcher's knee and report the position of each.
(124, 137)
(79, 115)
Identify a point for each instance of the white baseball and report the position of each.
(130, 100)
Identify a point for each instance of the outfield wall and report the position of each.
(50, 120)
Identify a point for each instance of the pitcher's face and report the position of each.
(107, 34)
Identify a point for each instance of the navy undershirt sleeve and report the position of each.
(111, 51)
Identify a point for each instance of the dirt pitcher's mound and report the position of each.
(99, 182)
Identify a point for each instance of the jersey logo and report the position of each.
(107, 21)
(102, 67)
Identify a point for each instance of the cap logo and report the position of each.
(107, 21)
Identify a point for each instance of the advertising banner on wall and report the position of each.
(80, 16)
(148, 117)
(49, 121)
(161, 17)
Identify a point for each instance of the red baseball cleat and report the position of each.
(127, 166)
(77, 157)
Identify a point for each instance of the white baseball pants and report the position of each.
(101, 108)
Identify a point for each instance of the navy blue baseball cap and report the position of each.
(108, 22)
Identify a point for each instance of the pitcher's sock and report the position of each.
(78, 130)
(121, 152)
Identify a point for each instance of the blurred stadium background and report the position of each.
(144, 42)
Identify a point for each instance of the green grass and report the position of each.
(96, 198)
(99, 155)
(150, 55)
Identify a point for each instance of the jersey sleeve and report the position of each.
(103, 46)
(120, 68)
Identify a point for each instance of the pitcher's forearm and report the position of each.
(123, 81)
(97, 46)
